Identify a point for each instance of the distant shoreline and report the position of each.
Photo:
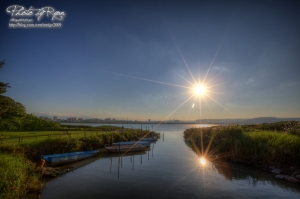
(138, 123)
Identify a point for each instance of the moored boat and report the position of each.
(145, 143)
(153, 139)
(125, 148)
(65, 158)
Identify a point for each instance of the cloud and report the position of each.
(222, 69)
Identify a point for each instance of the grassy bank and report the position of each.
(17, 176)
(17, 160)
(70, 132)
(32, 149)
(266, 145)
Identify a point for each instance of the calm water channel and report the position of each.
(169, 170)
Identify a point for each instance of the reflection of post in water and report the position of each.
(110, 163)
(120, 160)
(163, 137)
(152, 149)
(119, 168)
(133, 162)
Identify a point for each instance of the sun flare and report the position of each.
(202, 161)
(199, 90)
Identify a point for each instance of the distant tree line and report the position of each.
(13, 114)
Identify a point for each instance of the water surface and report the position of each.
(169, 170)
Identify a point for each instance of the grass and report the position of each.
(31, 136)
(34, 147)
(251, 144)
(22, 137)
(17, 177)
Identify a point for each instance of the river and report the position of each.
(170, 169)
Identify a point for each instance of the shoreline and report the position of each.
(271, 147)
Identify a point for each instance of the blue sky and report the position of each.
(95, 64)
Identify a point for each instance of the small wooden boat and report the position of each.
(153, 139)
(145, 143)
(125, 148)
(65, 158)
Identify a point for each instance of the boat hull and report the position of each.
(125, 148)
(154, 139)
(145, 143)
(65, 158)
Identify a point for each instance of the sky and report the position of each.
(142, 59)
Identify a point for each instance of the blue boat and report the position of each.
(125, 148)
(144, 143)
(153, 139)
(65, 158)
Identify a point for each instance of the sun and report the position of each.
(199, 90)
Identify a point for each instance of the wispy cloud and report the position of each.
(222, 69)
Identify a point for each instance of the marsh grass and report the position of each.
(33, 136)
(17, 177)
(249, 144)
(33, 148)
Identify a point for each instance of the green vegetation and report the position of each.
(83, 131)
(16, 159)
(32, 149)
(263, 145)
(17, 177)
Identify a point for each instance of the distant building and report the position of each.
(107, 120)
(54, 118)
(149, 120)
(71, 119)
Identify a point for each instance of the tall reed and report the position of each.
(254, 146)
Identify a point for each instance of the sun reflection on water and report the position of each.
(203, 161)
